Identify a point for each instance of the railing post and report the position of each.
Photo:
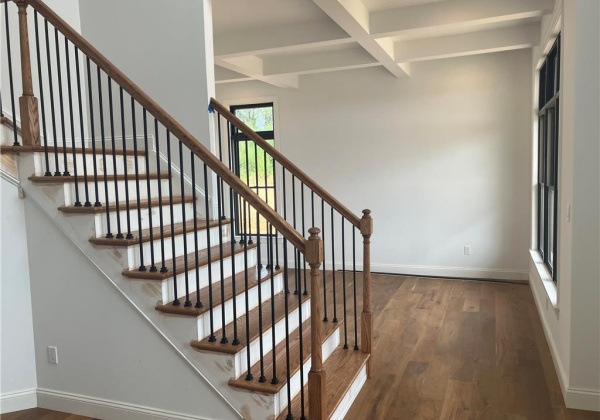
(316, 376)
(28, 105)
(366, 229)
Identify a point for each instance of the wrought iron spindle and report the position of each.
(163, 267)
(80, 99)
(91, 103)
(195, 214)
(224, 338)
(103, 139)
(303, 233)
(354, 285)
(129, 235)
(41, 87)
(10, 76)
(231, 161)
(297, 286)
(137, 188)
(344, 280)
(72, 121)
(287, 329)
(301, 345)
(176, 301)
(111, 118)
(273, 241)
(187, 303)
(325, 319)
(61, 104)
(51, 87)
(335, 319)
(212, 337)
(153, 268)
(249, 376)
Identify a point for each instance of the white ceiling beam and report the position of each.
(353, 17)
(425, 19)
(223, 75)
(495, 40)
(253, 68)
(319, 62)
(282, 38)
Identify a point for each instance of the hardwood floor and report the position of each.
(448, 349)
(453, 349)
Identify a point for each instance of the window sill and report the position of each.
(547, 282)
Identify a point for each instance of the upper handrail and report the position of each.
(286, 163)
(171, 124)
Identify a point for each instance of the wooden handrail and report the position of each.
(286, 163)
(171, 124)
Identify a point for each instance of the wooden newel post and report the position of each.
(366, 229)
(28, 104)
(316, 376)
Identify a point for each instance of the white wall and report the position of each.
(112, 362)
(442, 158)
(570, 313)
(17, 361)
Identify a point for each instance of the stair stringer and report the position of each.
(217, 369)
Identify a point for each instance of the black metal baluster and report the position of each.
(10, 77)
(297, 286)
(71, 119)
(221, 263)
(272, 238)
(222, 204)
(335, 319)
(51, 87)
(163, 267)
(41, 87)
(277, 267)
(101, 112)
(153, 268)
(287, 326)
(344, 280)
(232, 160)
(249, 376)
(212, 337)
(287, 288)
(305, 293)
(87, 202)
(259, 266)
(129, 235)
(61, 103)
(137, 188)
(301, 345)
(91, 103)
(195, 214)
(325, 319)
(176, 301)
(114, 156)
(354, 285)
(187, 303)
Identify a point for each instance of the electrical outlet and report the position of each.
(52, 355)
(467, 249)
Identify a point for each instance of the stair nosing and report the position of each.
(144, 204)
(7, 149)
(70, 179)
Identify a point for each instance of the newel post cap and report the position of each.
(366, 223)
(314, 247)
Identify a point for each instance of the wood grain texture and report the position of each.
(8, 164)
(255, 325)
(203, 259)
(110, 178)
(286, 163)
(42, 414)
(171, 124)
(228, 293)
(178, 229)
(454, 349)
(133, 205)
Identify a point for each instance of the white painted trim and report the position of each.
(547, 281)
(18, 400)
(106, 409)
(583, 399)
(348, 398)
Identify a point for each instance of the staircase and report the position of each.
(268, 317)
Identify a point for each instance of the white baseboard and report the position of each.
(103, 409)
(583, 399)
(17, 401)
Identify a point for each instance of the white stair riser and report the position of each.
(122, 185)
(241, 358)
(101, 227)
(133, 252)
(281, 400)
(40, 163)
(240, 305)
(346, 402)
(168, 292)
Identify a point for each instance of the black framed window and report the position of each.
(253, 165)
(549, 100)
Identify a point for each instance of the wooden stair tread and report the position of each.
(240, 282)
(191, 262)
(342, 367)
(281, 365)
(254, 330)
(167, 232)
(110, 178)
(60, 149)
(177, 199)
